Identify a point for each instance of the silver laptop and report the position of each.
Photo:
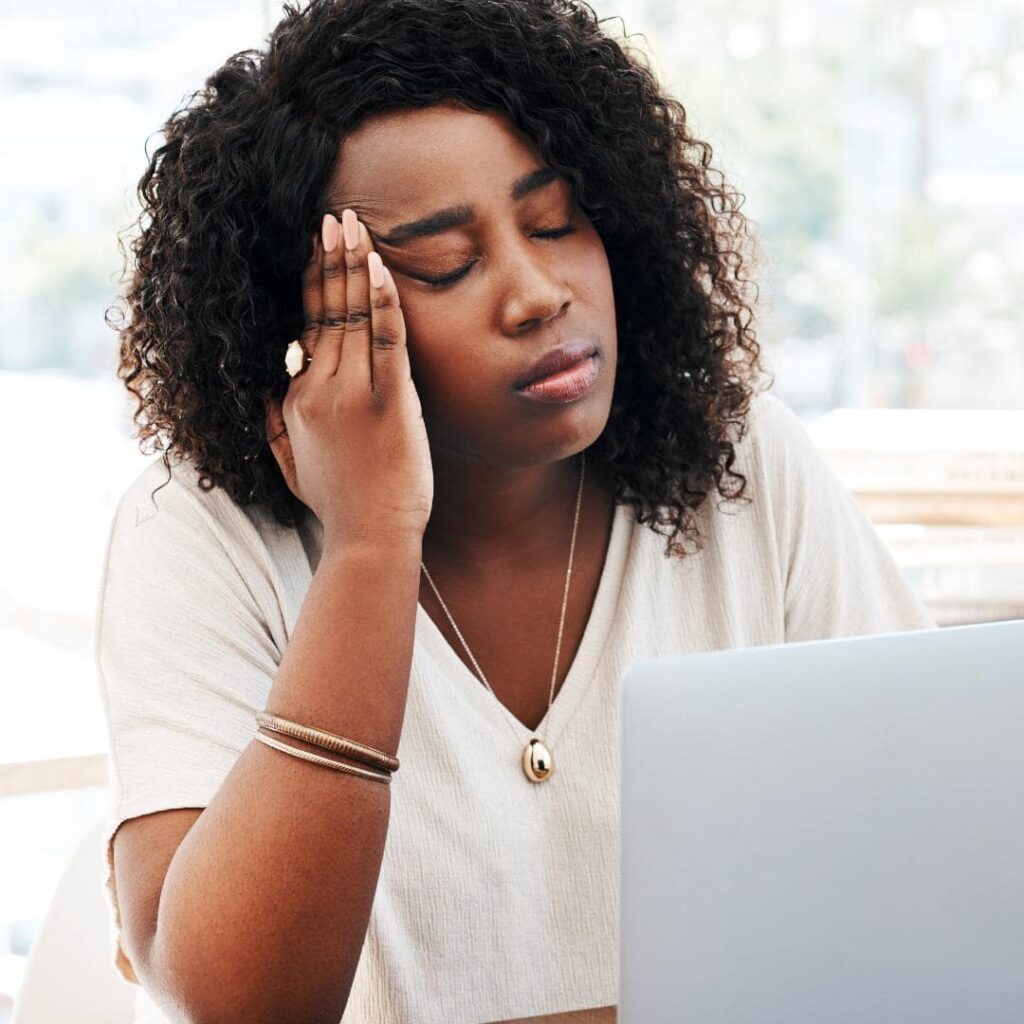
(826, 833)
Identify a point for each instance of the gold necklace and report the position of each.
(538, 763)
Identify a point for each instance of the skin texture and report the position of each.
(498, 459)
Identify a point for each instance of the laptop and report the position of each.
(826, 832)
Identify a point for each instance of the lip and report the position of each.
(566, 386)
(562, 358)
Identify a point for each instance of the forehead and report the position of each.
(413, 161)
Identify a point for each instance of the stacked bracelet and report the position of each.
(328, 741)
(327, 762)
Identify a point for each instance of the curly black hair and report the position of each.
(238, 187)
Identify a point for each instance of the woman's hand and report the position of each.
(349, 436)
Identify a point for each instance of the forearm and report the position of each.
(265, 905)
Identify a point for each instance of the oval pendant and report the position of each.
(537, 761)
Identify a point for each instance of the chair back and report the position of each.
(70, 975)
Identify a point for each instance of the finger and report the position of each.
(354, 365)
(312, 312)
(277, 438)
(332, 281)
(390, 353)
(312, 299)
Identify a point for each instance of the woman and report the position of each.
(358, 248)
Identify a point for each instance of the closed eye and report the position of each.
(448, 279)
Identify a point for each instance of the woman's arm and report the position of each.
(263, 911)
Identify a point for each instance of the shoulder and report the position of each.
(171, 491)
(772, 428)
(788, 481)
(166, 509)
(175, 491)
(776, 446)
(801, 491)
(770, 437)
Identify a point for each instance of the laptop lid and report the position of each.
(829, 831)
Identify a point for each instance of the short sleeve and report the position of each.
(839, 578)
(184, 654)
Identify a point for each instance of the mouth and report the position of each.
(566, 357)
(566, 386)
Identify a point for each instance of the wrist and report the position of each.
(383, 548)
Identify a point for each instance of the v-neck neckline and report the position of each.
(581, 671)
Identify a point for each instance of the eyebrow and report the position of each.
(459, 216)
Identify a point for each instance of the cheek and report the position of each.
(597, 273)
(591, 274)
(441, 355)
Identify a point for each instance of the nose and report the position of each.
(537, 293)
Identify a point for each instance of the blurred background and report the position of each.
(881, 152)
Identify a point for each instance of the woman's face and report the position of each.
(515, 296)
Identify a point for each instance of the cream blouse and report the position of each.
(497, 897)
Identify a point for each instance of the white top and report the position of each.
(497, 897)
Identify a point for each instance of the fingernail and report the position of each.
(330, 232)
(350, 225)
(376, 269)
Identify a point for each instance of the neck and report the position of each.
(491, 516)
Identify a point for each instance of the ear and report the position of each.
(277, 438)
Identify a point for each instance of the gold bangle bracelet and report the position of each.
(307, 755)
(328, 741)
